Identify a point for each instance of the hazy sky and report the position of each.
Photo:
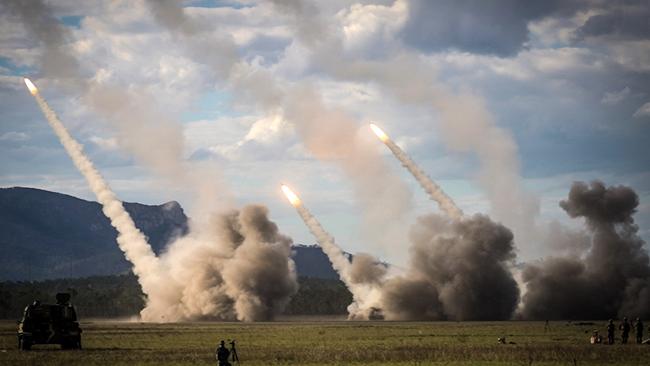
(569, 81)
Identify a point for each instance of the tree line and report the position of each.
(121, 296)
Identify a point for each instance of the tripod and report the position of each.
(233, 352)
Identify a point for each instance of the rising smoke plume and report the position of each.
(459, 270)
(613, 277)
(130, 240)
(237, 268)
(55, 59)
(447, 205)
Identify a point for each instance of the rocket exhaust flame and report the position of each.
(364, 296)
(292, 197)
(379, 132)
(32, 88)
(130, 240)
(435, 192)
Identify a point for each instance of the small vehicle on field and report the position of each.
(50, 324)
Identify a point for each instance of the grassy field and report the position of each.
(330, 343)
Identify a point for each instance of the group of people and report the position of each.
(625, 327)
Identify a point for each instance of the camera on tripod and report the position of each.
(233, 351)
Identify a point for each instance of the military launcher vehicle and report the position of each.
(50, 324)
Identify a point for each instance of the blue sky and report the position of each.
(568, 83)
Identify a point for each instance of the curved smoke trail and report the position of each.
(130, 240)
(435, 192)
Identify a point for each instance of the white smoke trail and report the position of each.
(130, 240)
(365, 296)
(435, 192)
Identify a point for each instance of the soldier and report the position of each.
(610, 331)
(222, 354)
(638, 326)
(625, 328)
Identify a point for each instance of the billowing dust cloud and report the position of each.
(238, 267)
(610, 279)
(459, 270)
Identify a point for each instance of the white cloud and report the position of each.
(615, 97)
(105, 143)
(372, 28)
(527, 66)
(557, 31)
(14, 136)
(269, 129)
(643, 111)
(268, 138)
(631, 55)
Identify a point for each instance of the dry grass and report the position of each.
(329, 343)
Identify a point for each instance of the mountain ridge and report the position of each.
(49, 235)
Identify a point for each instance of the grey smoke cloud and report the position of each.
(236, 268)
(366, 269)
(612, 280)
(260, 276)
(411, 298)
(601, 205)
(170, 14)
(463, 265)
(201, 41)
(39, 22)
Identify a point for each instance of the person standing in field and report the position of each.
(625, 328)
(610, 331)
(222, 354)
(638, 326)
